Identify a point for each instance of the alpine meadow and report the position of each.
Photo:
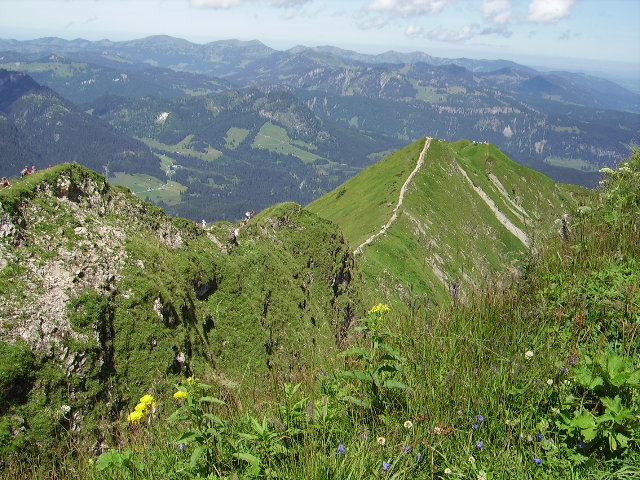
(224, 261)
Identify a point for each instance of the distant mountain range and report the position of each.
(241, 126)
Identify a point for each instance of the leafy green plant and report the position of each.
(606, 413)
(381, 364)
(205, 430)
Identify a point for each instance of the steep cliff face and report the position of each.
(103, 297)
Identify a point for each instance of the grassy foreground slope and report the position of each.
(536, 378)
(468, 212)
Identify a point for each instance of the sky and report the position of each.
(587, 35)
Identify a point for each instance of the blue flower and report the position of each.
(480, 418)
(181, 446)
(340, 449)
(419, 457)
(581, 445)
(475, 425)
(537, 461)
(406, 449)
(540, 436)
(386, 466)
(480, 444)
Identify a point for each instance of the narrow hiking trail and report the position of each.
(384, 228)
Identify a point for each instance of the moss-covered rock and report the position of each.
(103, 298)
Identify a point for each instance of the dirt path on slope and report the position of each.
(384, 228)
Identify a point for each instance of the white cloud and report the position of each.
(407, 8)
(496, 11)
(413, 31)
(549, 11)
(226, 4)
(442, 35)
(378, 22)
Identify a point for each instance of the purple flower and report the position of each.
(340, 449)
(181, 446)
(406, 449)
(581, 445)
(480, 444)
(480, 418)
(573, 360)
(419, 457)
(540, 436)
(537, 461)
(563, 370)
(475, 425)
(386, 466)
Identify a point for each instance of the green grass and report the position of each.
(274, 138)
(183, 147)
(149, 188)
(575, 163)
(235, 136)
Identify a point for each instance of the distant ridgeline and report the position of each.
(243, 126)
(103, 295)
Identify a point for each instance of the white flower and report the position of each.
(471, 459)
(482, 475)
(65, 408)
(408, 424)
(448, 471)
(381, 440)
(550, 381)
(528, 354)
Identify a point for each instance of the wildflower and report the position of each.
(381, 440)
(406, 448)
(475, 425)
(135, 416)
(563, 370)
(65, 409)
(386, 466)
(141, 407)
(148, 400)
(408, 424)
(419, 457)
(379, 308)
(365, 436)
(482, 475)
(181, 446)
(340, 449)
(179, 395)
(480, 418)
(192, 380)
(472, 459)
(540, 436)
(537, 461)
(528, 354)
(480, 444)
(574, 360)
(550, 381)
(581, 445)
(447, 471)
(494, 368)
(567, 383)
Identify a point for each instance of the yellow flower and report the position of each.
(179, 395)
(192, 380)
(141, 407)
(136, 416)
(380, 308)
(148, 400)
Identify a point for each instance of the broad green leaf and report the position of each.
(195, 456)
(585, 420)
(356, 401)
(589, 434)
(363, 353)
(188, 436)
(247, 457)
(395, 384)
(357, 374)
(217, 420)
